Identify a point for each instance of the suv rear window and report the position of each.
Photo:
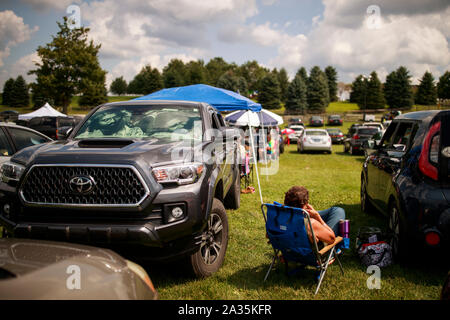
(367, 131)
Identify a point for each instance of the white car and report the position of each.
(314, 140)
(373, 124)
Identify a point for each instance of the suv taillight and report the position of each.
(425, 165)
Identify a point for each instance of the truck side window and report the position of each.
(403, 136)
(388, 136)
(5, 148)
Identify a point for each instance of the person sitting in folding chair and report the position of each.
(325, 223)
(292, 232)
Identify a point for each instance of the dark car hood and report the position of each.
(21, 256)
(104, 151)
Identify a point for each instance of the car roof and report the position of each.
(309, 130)
(418, 115)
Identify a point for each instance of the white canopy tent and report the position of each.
(45, 111)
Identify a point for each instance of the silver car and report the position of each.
(314, 140)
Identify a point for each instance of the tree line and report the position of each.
(397, 92)
(271, 88)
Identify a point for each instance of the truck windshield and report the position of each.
(128, 121)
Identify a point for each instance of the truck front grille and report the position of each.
(83, 185)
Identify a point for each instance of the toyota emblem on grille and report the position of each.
(82, 184)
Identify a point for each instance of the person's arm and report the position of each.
(324, 232)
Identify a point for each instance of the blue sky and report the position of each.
(347, 34)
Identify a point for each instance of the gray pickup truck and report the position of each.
(149, 179)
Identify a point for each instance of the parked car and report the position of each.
(406, 177)
(316, 121)
(391, 115)
(354, 143)
(314, 140)
(335, 120)
(337, 136)
(9, 115)
(352, 129)
(298, 130)
(369, 117)
(14, 138)
(296, 121)
(45, 270)
(51, 125)
(374, 124)
(141, 177)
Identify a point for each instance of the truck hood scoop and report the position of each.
(104, 143)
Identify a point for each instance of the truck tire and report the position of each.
(233, 198)
(211, 254)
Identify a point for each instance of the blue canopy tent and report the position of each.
(221, 99)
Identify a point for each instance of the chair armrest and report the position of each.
(330, 246)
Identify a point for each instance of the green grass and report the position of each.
(332, 180)
(341, 107)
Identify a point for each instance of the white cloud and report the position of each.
(417, 39)
(20, 67)
(12, 32)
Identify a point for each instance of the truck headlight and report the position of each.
(11, 171)
(180, 174)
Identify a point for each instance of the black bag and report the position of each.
(371, 247)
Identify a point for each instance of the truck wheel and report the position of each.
(211, 254)
(233, 197)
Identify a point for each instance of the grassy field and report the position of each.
(332, 180)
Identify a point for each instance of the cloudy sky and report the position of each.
(355, 36)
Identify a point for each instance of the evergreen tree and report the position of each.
(69, 64)
(296, 96)
(20, 96)
(426, 92)
(397, 89)
(7, 92)
(374, 96)
(332, 78)
(119, 86)
(318, 96)
(284, 83)
(303, 74)
(358, 91)
(270, 92)
(174, 74)
(443, 87)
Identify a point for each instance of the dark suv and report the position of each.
(354, 141)
(147, 178)
(51, 125)
(406, 176)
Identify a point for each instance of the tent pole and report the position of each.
(255, 159)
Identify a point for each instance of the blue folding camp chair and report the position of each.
(288, 235)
